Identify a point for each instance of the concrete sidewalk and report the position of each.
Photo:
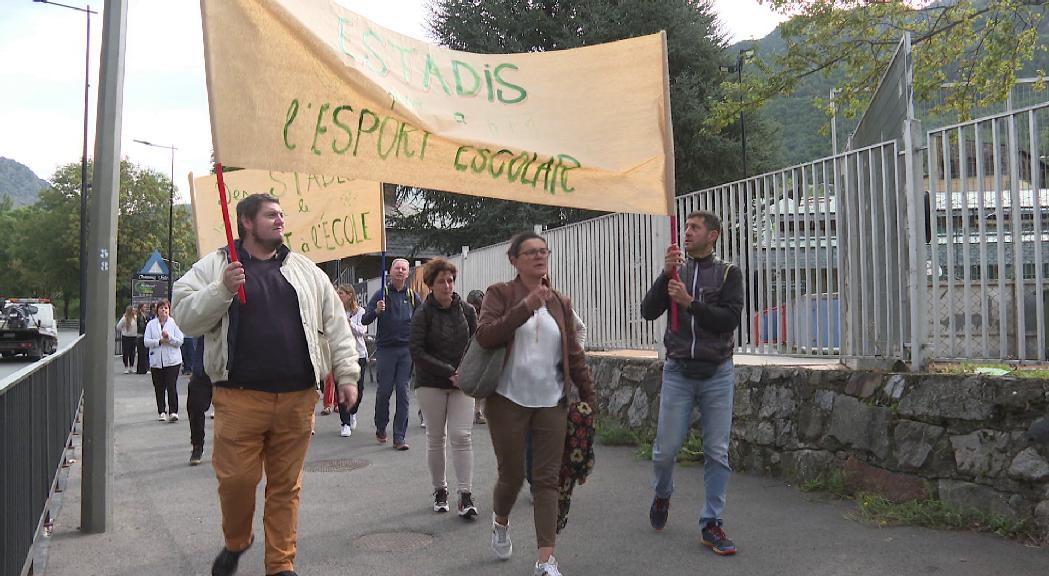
(377, 519)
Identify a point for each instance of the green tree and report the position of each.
(702, 157)
(44, 238)
(974, 47)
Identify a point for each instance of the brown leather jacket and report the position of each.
(504, 311)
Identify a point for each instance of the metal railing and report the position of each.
(988, 244)
(37, 412)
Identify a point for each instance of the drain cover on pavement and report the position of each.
(394, 541)
(342, 465)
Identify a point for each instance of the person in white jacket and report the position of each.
(164, 341)
(265, 357)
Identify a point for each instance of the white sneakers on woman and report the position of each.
(548, 568)
(501, 544)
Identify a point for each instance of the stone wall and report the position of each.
(958, 438)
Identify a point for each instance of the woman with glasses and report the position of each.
(543, 362)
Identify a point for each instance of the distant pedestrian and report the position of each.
(141, 352)
(708, 294)
(198, 401)
(441, 331)
(266, 359)
(393, 306)
(354, 313)
(128, 327)
(164, 340)
(543, 362)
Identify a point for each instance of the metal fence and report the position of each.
(37, 413)
(988, 245)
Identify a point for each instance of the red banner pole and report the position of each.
(225, 222)
(675, 275)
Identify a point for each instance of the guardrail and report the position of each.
(38, 409)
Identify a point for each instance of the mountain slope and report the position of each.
(19, 183)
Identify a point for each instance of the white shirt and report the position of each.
(531, 378)
(359, 330)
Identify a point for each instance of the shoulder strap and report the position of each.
(466, 315)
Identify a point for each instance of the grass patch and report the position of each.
(937, 514)
(832, 482)
(1040, 372)
(614, 434)
(691, 451)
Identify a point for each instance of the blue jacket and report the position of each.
(395, 324)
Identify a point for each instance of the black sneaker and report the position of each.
(658, 513)
(466, 506)
(226, 562)
(440, 500)
(715, 539)
(196, 456)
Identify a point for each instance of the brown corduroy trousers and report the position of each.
(509, 423)
(256, 430)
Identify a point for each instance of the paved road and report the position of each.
(14, 364)
(165, 519)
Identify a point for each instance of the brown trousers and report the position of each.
(509, 424)
(255, 430)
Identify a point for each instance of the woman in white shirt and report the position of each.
(354, 313)
(128, 327)
(164, 341)
(544, 361)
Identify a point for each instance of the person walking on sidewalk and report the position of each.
(266, 358)
(354, 313)
(141, 352)
(128, 327)
(708, 294)
(441, 332)
(164, 341)
(393, 306)
(198, 401)
(543, 362)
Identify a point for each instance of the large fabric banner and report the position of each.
(325, 218)
(307, 86)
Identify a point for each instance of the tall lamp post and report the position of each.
(83, 161)
(171, 210)
(744, 55)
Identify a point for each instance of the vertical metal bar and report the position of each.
(855, 278)
(780, 270)
(753, 271)
(981, 217)
(874, 264)
(1017, 229)
(820, 207)
(919, 287)
(999, 210)
(804, 202)
(766, 241)
(841, 234)
(794, 245)
(963, 182)
(1037, 243)
(886, 156)
(952, 333)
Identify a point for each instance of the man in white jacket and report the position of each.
(266, 358)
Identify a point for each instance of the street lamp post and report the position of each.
(171, 211)
(743, 56)
(83, 161)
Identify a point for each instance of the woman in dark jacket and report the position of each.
(440, 334)
(142, 318)
(543, 362)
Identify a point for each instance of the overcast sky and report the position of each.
(165, 98)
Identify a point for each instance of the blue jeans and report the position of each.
(714, 398)
(393, 366)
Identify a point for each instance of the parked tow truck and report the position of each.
(27, 326)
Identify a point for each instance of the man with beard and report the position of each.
(708, 293)
(266, 358)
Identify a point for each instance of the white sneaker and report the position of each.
(346, 431)
(353, 422)
(548, 568)
(501, 544)
(173, 417)
(163, 417)
(422, 422)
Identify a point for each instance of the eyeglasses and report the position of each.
(541, 252)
